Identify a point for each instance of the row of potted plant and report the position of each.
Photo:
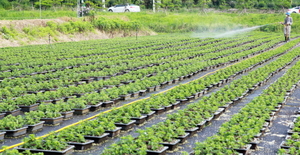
(16, 152)
(73, 53)
(81, 107)
(54, 84)
(189, 123)
(56, 108)
(63, 63)
(80, 137)
(89, 50)
(43, 94)
(60, 53)
(102, 94)
(15, 126)
(290, 145)
(244, 126)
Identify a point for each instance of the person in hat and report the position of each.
(288, 21)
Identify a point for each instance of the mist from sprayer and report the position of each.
(223, 32)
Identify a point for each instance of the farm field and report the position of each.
(163, 94)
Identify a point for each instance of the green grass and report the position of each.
(159, 22)
(48, 14)
(186, 22)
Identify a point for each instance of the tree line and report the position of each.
(148, 4)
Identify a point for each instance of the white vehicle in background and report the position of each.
(124, 8)
(294, 10)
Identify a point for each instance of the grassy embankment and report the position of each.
(126, 24)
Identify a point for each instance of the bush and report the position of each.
(8, 32)
(52, 25)
(271, 5)
(77, 26)
(5, 4)
(262, 4)
(105, 24)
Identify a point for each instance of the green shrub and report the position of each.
(8, 32)
(76, 26)
(52, 25)
(40, 31)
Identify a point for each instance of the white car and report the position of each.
(294, 10)
(124, 8)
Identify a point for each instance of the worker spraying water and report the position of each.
(215, 33)
(288, 21)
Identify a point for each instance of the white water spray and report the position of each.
(215, 34)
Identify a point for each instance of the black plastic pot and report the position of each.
(208, 120)
(162, 151)
(169, 107)
(190, 98)
(170, 82)
(175, 81)
(88, 80)
(259, 135)
(36, 127)
(226, 106)
(2, 115)
(283, 146)
(158, 111)
(107, 104)
(125, 97)
(29, 108)
(67, 151)
(126, 126)
(82, 111)
(218, 113)
(53, 121)
(142, 92)
(82, 146)
(182, 101)
(113, 133)
(254, 144)
(171, 145)
(96, 107)
(201, 125)
(14, 112)
(244, 150)
(157, 88)
(47, 101)
(67, 115)
(2, 136)
(192, 131)
(150, 115)
(15, 133)
(135, 94)
(184, 137)
(98, 139)
(151, 89)
(139, 120)
(175, 105)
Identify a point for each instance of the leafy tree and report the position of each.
(283, 3)
(4, 4)
(218, 3)
(246, 4)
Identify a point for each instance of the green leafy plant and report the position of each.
(51, 142)
(12, 122)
